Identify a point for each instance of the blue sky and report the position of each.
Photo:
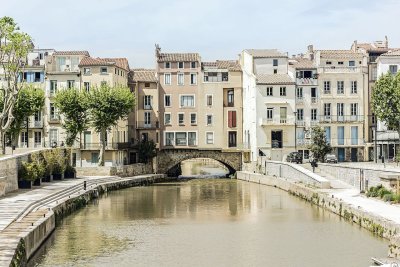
(217, 29)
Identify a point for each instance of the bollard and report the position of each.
(84, 185)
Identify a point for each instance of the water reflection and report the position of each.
(207, 222)
(203, 167)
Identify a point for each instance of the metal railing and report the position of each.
(335, 69)
(344, 118)
(147, 125)
(277, 121)
(306, 81)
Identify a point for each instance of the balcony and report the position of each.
(342, 69)
(36, 124)
(54, 119)
(306, 81)
(303, 142)
(341, 119)
(276, 121)
(147, 125)
(314, 100)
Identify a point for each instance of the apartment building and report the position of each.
(219, 117)
(178, 89)
(304, 73)
(268, 104)
(94, 73)
(147, 121)
(342, 80)
(34, 132)
(387, 140)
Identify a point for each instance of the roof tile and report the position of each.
(178, 57)
(144, 75)
(266, 53)
(274, 79)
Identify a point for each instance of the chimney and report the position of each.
(355, 45)
(386, 44)
(158, 50)
(310, 48)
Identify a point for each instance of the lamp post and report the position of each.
(295, 130)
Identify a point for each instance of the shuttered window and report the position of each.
(231, 119)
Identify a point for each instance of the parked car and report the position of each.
(330, 158)
(294, 157)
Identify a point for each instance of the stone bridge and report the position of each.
(168, 159)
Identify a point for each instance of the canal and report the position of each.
(207, 222)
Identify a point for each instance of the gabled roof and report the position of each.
(391, 53)
(265, 53)
(178, 57)
(371, 47)
(230, 65)
(144, 75)
(119, 62)
(274, 79)
(302, 63)
(340, 54)
(71, 53)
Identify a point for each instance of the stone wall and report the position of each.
(122, 171)
(9, 171)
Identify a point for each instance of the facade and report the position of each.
(387, 140)
(342, 79)
(268, 104)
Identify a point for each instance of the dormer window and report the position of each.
(103, 70)
(352, 63)
(167, 65)
(180, 65)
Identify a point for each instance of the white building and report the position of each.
(268, 104)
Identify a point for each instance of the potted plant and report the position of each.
(49, 162)
(60, 164)
(70, 172)
(27, 174)
(37, 160)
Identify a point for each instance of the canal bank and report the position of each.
(355, 214)
(24, 236)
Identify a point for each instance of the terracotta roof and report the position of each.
(71, 53)
(274, 79)
(369, 47)
(302, 63)
(144, 75)
(231, 65)
(119, 62)
(340, 54)
(265, 53)
(392, 53)
(178, 57)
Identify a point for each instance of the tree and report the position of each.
(107, 105)
(14, 48)
(319, 145)
(147, 151)
(386, 100)
(73, 104)
(29, 101)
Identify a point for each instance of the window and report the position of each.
(327, 87)
(181, 79)
(167, 78)
(313, 95)
(300, 114)
(86, 85)
(180, 65)
(393, 69)
(340, 87)
(193, 64)
(147, 119)
(192, 138)
(86, 71)
(70, 84)
(193, 78)
(209, 100)
(354, 87)
(180, 138)
(354, 135)
(304, 74)
(167, 118)
(53, 112)
(231, 98)
(275, 71)
(283, 91)
(209, 138)
(216, 76)
(270, 113)
(275, 62)
(353, 109)
(328, 133)
(231, 118)
(147, 99)
(209, 120)
(327, 110)
(38, 139)
(314, 114)
(24, 139)
(169, 139)
(187, 101)
(167, 65)
(270, 91)
(146, 85)
(340, 135)
(38, 116)
(167, 100)
(299, 93)
(374, 73)
(232, 137)
(276, 139)
(352, 63)
(103, 70)
(340, 111)
(283, 114)
(181, 118)
(53, 136)
(53, 87)
(38, 77)
(193, 118)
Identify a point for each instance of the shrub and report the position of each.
(383, 191)
(38, 160)
(49, 161)
(69, 171)
(28, 171)
(388, 197)
(59, 161)
(396, 198)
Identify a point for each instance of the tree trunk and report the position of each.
(2, 142)
(102, 147)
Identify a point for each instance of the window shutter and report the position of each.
(233, 118)
(230, 119)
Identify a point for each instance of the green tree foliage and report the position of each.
(29, 101)
(319, 145)
(147, 151)
(14, 48)
(73, 104)
(386, 100)
(108, 105)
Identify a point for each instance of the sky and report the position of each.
(217, 29)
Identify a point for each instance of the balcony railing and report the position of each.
(36, 124)
(276, 121)
(303, 142)
(339, 119)
(147, 125)
(306, 81)
(314, 100)
(54, 119)
(342, 69)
